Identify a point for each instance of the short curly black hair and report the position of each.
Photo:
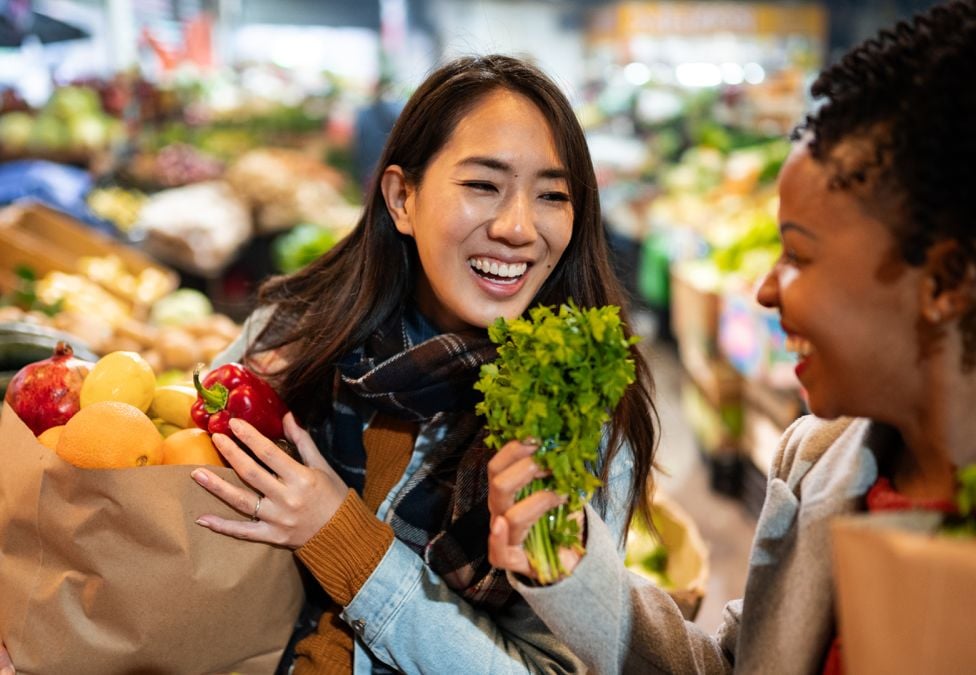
(911, 91)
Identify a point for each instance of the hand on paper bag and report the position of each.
(6, 665)
(284, 509)
(511, 469)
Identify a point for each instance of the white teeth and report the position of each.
(494, 268)
(798, 345)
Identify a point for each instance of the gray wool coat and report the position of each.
(618, 622)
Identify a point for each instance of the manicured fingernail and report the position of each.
(199, 476)
(201, 521)
(496, 526)
(236, 424)
(530, 441)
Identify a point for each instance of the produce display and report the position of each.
(113, 413)
(557, 379)
(174, 165)
(72, 124)
(198, 228)
(177, 332)
(117, 205)
(286, 187)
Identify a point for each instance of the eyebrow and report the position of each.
(787, 226)
(499, 165)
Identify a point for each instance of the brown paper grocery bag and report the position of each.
(906, 598)
(105, 571)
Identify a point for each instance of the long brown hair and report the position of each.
(330, 307)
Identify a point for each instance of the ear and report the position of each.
(398, 194)
(949, 286)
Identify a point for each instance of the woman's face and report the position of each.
(491, 216)
(846, 299)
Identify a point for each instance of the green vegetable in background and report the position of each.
(557, 378)
(24, 295)
(182, 306)
(964, 524)
(301, 245)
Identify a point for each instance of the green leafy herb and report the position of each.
(557, 379)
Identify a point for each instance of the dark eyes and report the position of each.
(556, 196)
(790, 257)
(490, 187)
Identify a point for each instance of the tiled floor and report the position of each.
(724, 523)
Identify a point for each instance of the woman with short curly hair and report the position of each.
(876, 290)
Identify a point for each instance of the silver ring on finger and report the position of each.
(257, 507)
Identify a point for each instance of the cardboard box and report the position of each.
(712, 404)
(695, 304)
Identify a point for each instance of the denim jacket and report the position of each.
(407, 619)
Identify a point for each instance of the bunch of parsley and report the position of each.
(557, 379)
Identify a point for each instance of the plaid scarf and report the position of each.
(441, 512)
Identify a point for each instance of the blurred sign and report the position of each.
(630, 19)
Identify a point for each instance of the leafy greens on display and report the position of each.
(557, 379)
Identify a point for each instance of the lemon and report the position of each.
(125, 377)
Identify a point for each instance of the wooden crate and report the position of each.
(47, 240)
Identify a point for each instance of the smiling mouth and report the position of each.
(799, 346)
(498, 272)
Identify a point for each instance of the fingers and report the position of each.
(240, 499)
(510, 453)
(523, 515)
(511, 469)
(502, 554)
(256, 530)
(303, 441)
(263, 448)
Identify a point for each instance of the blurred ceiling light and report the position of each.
(754, 73)
(732, 73)
(637, 74)
(698, 74)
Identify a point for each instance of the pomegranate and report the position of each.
(45, 393)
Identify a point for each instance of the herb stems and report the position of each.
(558, 377)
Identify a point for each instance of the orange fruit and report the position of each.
(110, 435)
(190, 446)
(50, 436)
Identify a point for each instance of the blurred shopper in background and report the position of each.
(373, 124)
(876, 289)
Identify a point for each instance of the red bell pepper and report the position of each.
(232, 391)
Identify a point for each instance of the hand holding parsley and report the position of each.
(557, 379)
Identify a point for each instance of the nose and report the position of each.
(767, 292)
(513, 223)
